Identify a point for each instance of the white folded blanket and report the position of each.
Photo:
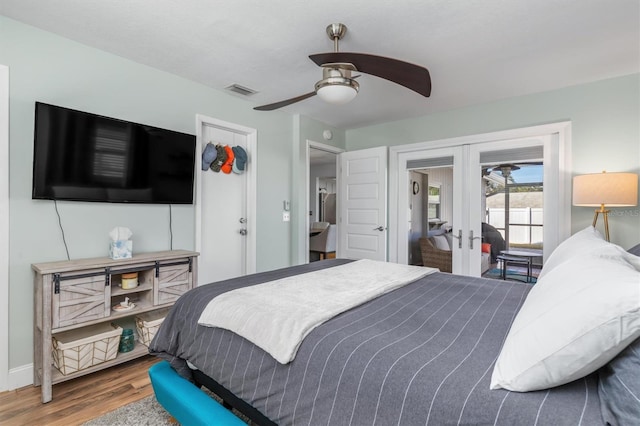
(278, 315)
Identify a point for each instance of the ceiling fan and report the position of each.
(338, 85)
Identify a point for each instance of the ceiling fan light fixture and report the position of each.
(337, 90)
(338, 86)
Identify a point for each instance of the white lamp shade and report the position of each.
(337, 93)
(610, 189)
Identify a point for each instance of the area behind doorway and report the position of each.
(323, 188)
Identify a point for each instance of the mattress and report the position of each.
(421, 354)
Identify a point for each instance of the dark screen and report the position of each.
(85, 157)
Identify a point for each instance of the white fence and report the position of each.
(525, 224)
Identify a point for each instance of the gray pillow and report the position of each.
(441, 242)
(434, 232)
(619, 387)
(635, 250)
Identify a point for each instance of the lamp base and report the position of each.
(605, 215)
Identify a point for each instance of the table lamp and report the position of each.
(605, 190)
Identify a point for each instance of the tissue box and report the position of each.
(120, 249)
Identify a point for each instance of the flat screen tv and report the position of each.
(80, 156)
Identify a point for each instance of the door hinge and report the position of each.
(56, 283)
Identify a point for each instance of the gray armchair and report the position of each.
(324, 242)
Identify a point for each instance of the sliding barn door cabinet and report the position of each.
(82, 295)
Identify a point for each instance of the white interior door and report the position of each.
(362, 204)
(225, 226)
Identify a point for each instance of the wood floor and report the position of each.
(79, 400)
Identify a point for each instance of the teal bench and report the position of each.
(188, 404)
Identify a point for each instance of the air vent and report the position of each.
(241, 90)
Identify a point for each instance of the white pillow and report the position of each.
(575, 319)
(441, 242)
(580, 243)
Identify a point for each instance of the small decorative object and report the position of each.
(121, 245)
(129, 281)
(416, 188)
(126, 305)
(127, 341)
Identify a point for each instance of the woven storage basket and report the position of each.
(78, 349)
(147, 325)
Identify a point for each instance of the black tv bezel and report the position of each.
(106, 199)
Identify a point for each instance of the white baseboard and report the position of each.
(20, 377)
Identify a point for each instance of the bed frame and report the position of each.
(230, 400)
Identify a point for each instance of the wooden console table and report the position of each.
(78, 293)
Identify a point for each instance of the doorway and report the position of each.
(322, 192)
(547, 144)
(225, 205)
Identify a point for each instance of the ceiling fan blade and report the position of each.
(276, 105)
(411, 76)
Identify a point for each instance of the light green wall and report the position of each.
(45, 67)
(605, 119)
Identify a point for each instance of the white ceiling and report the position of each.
(477, 51)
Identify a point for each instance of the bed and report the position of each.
(443, 349)
(421, 354)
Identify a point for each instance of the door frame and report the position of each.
(4, 228)
(251, 180)
(323, 147)
(559, 163)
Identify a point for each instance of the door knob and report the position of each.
(471, 238)
(243, 232)
(459, 237)
(379, 228)
(243, 220)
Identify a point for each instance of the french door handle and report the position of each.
(459, 237)
(379, 228)
(471, 238)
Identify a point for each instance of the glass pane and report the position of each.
(514, 206)
(431, 217)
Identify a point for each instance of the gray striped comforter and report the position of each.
(422, 354)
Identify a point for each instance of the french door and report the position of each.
(462, 190)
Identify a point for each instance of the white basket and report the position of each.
(78, 349)
(147, 325)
